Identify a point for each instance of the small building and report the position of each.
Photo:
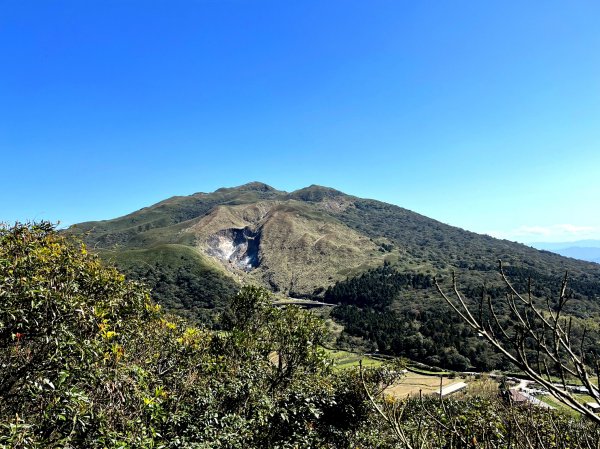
(593, 406)
(521, 397)
(450, 389)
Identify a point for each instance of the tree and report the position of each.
(541, 342)
(87, 360)
(296, 336)
(65, 321)
(290, 336)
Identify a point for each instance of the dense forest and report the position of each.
(90, 361)
(179, 281)
(402, 316)
(376, 288)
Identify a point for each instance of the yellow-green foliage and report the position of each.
(65, 327)
(88, 361)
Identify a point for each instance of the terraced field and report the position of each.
(411, 384)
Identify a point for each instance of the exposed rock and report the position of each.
(238, 247)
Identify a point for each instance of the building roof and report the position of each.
(522, 397)
(452, 388)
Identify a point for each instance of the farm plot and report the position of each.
(344, 359)
(413, 383)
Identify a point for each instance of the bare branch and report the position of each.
(538, 333)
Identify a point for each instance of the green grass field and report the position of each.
(344, 359)
(551, 400)
(429, 373)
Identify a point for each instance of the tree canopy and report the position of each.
(89, 361)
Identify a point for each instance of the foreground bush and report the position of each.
(88, 361)
(65, 321)
(480, 422)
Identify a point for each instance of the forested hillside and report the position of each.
(300, 243)
(399, 315)
(89, 361)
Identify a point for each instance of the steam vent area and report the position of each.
(236, 247)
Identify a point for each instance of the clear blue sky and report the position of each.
(481, 114)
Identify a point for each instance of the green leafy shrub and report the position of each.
(65, 321)
(89, 361)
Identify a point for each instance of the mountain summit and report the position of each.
(300, 243)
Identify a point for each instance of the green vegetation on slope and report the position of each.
(345, 359)
(443, 247)
(308, 240)
(180, 279)
(399, 314)
(376, 288)
(175, 210)
(88, 361)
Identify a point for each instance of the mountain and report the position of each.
(582, 249)
(550, 246)
(582, 253)
(300, 243)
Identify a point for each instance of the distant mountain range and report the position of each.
(195, 249)
(581, 249)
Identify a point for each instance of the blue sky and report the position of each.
(483, 115)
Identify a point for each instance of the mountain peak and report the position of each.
(315, 193)
(298, 242)
(254, 186)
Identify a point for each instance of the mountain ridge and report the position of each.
(299, 243)
(588, 250)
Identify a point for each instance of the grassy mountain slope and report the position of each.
(123, 231)
(184, 280)
(300, 243)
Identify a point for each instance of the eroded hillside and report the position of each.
(300, 243)
(283, 244)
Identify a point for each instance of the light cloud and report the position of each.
(552, 233)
